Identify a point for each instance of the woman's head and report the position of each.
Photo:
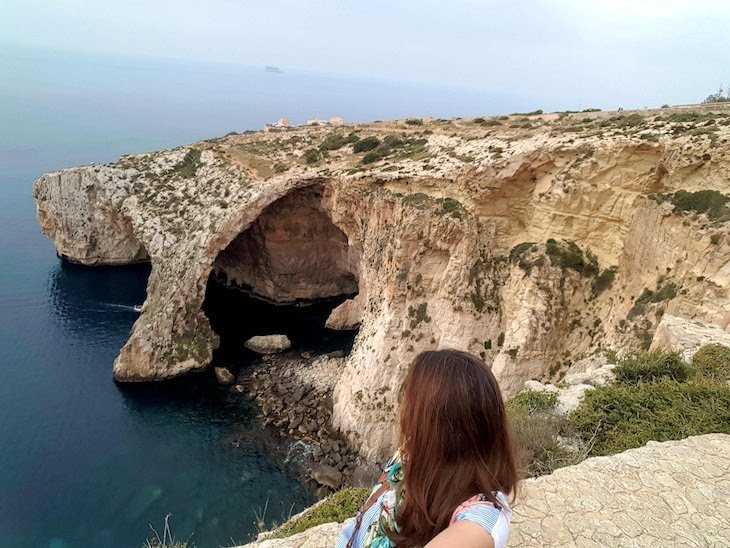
(455, 440)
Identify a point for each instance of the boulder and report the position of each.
(348, 315)
(687, 336)
(326, 475)
(268, 344)
(224, 376)
(365, 475)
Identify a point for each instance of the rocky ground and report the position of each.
(665, 494)
(293, 393)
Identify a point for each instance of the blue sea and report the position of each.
(85, 462)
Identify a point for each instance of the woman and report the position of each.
(447, 485)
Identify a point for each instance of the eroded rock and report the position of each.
(348, 315)
(686, 336)
(224, 376)
(326, 475)
(268, 344)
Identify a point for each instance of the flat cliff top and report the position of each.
(651, 496)
(440, 148)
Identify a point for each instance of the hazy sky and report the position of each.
(567, 53)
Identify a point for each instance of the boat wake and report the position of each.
(121, 307)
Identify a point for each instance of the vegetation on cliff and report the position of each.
(656, 396)
(337, 507)
(712, 203)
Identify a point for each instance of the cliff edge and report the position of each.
(671, 493)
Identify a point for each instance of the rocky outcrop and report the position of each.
(686, 336)
(326, 475)
(321, 536)
(458, 236)
(664, 494)
(348, 315)
(79, 215)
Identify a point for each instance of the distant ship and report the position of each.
(272, 69)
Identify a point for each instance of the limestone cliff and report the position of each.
(531, 241)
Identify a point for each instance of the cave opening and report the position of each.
(284, 274)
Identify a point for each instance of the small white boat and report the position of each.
(137, 308)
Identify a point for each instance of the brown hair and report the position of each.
(455, 440)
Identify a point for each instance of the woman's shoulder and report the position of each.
(492, 514)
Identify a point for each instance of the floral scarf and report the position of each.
(375, 536)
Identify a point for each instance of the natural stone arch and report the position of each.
(292, 252)
(173, 336)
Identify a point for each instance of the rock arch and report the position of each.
(292, 252)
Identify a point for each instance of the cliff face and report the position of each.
(529, 241)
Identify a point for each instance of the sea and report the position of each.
(86, 462)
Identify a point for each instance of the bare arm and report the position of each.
(464, 534)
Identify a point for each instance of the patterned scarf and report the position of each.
(375, 536)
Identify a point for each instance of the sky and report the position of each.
(558, 53)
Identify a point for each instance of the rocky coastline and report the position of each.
(292, 392)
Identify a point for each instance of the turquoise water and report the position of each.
(83, 461)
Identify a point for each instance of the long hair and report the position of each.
(455, 441)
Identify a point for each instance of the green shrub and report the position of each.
(710, 202)
(366, 144)
(651, 366)
(532, 113)
(337, 507)
(663, 293)
(535, 435)
(604, 280)
(518, 250)
(716, 98)
(451, 207)
(336, 141)
(531, 401)
(414, 122)
(621, 416)
(630, 121)
(311, 155)
(189, 165)
(418, 200)
(713, 362)
(371, 157)
(479, 120)
(569, 255)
